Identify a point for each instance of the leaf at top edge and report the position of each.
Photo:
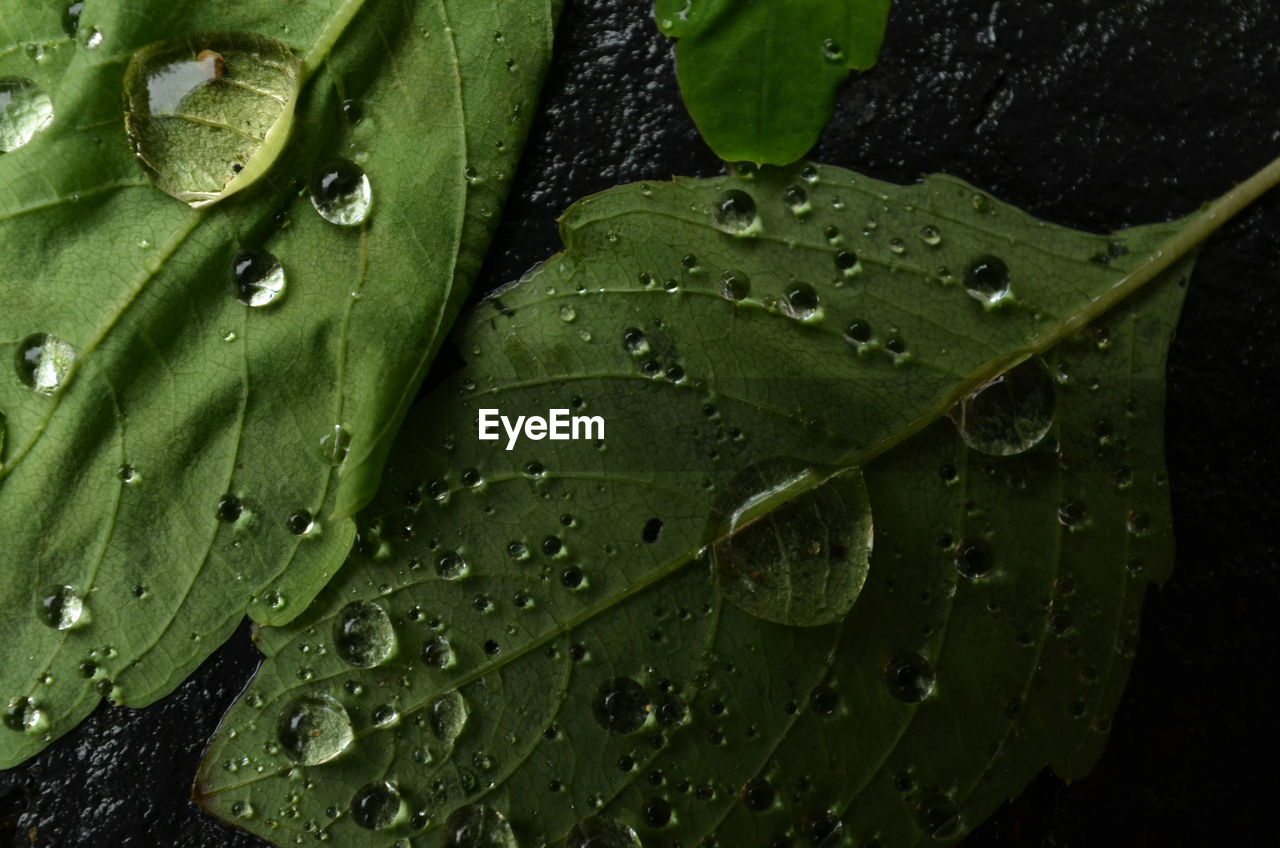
(759, 77)
(540, 636)
(172, 456)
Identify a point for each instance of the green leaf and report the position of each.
(174, 456)
(760, 77)
(540, 640)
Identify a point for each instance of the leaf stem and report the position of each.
(1199, 227)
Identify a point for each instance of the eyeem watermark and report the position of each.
(558, 426)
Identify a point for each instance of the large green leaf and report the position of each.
(161, 393)
(759, 77)
(528, 638)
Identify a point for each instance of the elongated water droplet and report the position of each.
(734, 285)
(477, 826)
(448, 715)
(735, 213)
(71, 18)
(987, 279)
(61, 608)
(790, 547)
(363, 635)
(25, 111)
(23, 714)
(340, 192)
(258, 277)
(376, 806)
(314, 729)
(335, 444)
(937, 816)
(602, 832)
(910, 678)
(44, 362)
(621, 705)
(1009, 414)
(207, 113)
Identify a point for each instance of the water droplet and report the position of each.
(437, 653)
(823, 830)
(788, 545)
(25, 111)
(448, 715)
(930, 235)
(735, 213)
(1072, 513)
(801, 302)
(824, 700)
(831, 51)
(258, 277)
(633, 339)
(910, 678)
(1010, 414)
(229, 509)
(23, 714)
(847, 263)
(734, 285)
(340, 192)
(1139, 523)
(621, 705)
(71, 18)
(477, 826)
(335, 444)
(44, 362)
(61, 608)
(973, 558)
(451, 565)
(758, 795)
(567, 313)
(94, 39)
(363, 635)
(987, 279)
(314, 729)
(208, 114)
(601, 832)
(897, 246)
(858, 332)
(126, 474)
(937, 816)
(300, 523)
(376, 806)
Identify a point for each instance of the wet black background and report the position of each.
(1094, 114)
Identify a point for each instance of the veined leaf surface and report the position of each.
(539, 642)
(173, 456)
(759, 77)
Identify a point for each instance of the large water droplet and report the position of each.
(376, 806)
(207, 113)
(340, 192)
(258, 277)
(363, 635)
(790, 547)
(448, 715)
(477, 826)
(937, 816)
(910, 678)
(735, 213)
(23, 714)
(44, 362)
(602, 832)
(1009, 414)
(25, 110)
(61, 608)
(621, 705)
(314, 729)
(987, 279)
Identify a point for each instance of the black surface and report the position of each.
(1091, 114)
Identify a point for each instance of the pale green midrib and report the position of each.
(328, 38)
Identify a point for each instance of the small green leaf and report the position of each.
(557, 594)
(197, 399)
(760, 77)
